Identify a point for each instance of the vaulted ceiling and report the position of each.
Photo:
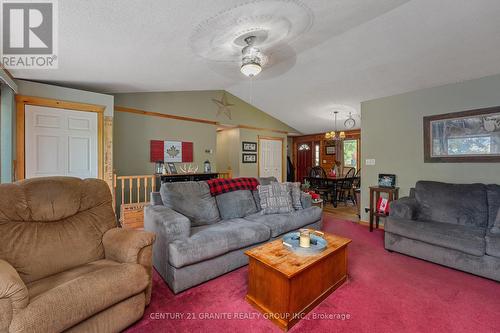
(324, 55)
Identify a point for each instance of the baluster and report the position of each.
(145, 189)
(122, 180)
(130, 187)
(138, 189)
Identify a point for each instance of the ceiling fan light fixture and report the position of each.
(252, 58)
(250, 69)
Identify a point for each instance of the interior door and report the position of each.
(60, 142)
(304, 160)
(271, 158)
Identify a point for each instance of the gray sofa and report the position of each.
(456, 225)
(205, 236)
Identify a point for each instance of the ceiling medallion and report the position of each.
(223, 106)
(271, 23)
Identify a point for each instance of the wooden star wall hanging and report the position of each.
(223, 106)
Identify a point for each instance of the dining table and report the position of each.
(333, 182)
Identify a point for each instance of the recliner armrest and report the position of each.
(124, 245)
(305, 200)
(13, 294)
(404, 208)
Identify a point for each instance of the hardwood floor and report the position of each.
(342, 211)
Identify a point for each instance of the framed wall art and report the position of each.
(249, 158)
(330, 149)
(249, 146)
(467, 136)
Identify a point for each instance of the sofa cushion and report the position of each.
(236, 204)
(192, 199)
(60, 301)
(462, 204)
(493, 192)
(283, 223)
(275, 198)
(493, 245)
(461, 238)
(215, 240)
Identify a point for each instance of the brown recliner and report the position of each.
(64, 263)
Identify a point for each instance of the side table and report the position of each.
(375, 191)
(318, 203)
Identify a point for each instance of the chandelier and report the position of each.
(252, 58)
(335, 135)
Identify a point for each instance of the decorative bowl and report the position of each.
(292, 239)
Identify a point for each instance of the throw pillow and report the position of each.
(294, 190)
(236, 204)
(275, 198)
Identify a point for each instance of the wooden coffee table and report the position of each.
(285, 286)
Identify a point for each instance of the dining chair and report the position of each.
(346, 187)
(320, 187)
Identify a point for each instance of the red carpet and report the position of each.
(386, 292)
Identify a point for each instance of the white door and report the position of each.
(60, 142)
(271, 158)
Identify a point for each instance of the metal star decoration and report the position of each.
(223, 106)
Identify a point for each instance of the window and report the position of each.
(304, 146)
(351, 153)
(316, 154)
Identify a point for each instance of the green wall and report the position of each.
(37, 89)
(392, 134)
(132, 133)
(7, 114)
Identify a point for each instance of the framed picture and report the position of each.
(330, 150)
(467, 136)
(386, 180)
(249, 146)
(249, 158)
(171, 168)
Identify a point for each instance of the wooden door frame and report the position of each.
(283, 154)
(22, 101)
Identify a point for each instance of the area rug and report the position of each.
(385, 292)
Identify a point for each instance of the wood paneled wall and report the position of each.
(326, 161)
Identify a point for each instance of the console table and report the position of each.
(184, 177)
(375, 191)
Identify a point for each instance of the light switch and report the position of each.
(370, 161)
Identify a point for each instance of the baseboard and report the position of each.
(367, 224)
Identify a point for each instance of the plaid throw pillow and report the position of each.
(275, 198)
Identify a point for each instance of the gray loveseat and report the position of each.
(206, 236)
(456, 225)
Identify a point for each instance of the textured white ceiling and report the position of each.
(353, 50)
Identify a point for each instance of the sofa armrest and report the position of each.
(404, 208)
(305, 200)
(124, 245)
(155, 199)
(13, 294)
(166, 222)
(168, 225)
